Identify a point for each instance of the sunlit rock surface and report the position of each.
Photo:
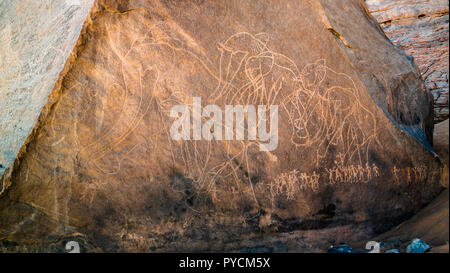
(36, 38)
(440, 140)
(355, 123)
(420, 27)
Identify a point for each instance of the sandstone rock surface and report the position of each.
(420, 27)
(440, 140)
(430, 225)
(354, 152)
(36, 38)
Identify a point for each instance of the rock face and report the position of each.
(36, 40)
(354, 132)
(440, 141)
(420, 27)
(430, 225)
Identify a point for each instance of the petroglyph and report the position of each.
(321, 112)
(102, 162)
(410, 175)
(289, 184)
(352, 173)
(342, 173)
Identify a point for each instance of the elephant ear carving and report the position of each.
(314, 74)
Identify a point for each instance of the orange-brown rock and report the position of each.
(430, 225)
(37, 38)
(354, 152)
(440, 141)
(420, 27)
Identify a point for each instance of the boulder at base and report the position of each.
(353, 156)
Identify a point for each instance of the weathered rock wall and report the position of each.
(354, 133)
(36, 38)
(420, 27)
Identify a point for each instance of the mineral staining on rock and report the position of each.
(103, 163)
(420, 27)
(36, 40)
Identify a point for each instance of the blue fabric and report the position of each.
(393, 251)
(417, 246)
(341, 249)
